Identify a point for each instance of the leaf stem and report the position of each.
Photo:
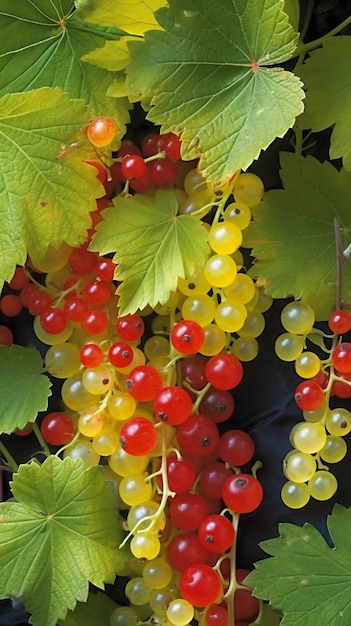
(303, 48)
(44, 446)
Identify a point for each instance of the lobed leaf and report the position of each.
(152, 246)
(305, 578)
(24, 390)
(58, 534)
(96, 610)
(132, 16)
(42, 45)
(328, 100)
(210, 77)
(292, 235)
(46, 192)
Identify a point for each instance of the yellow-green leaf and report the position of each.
(46, 192)
(292, 235)
(152, 246)
(132, 16)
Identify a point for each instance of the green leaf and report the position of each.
(46, 192)
(132, 16)
(153, 246)
(24, 390)
(267, 617)
(96, 610)
(307, 579)
(210, 78)
(328, 101)
(292, 235)
(292, 9)
(60, 533)
(42, 44)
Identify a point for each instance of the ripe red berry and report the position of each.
(224, 371)
(242, 493)
(309, 395)
(138, 436)
(341, 357)
(187, 336)
(144, 382)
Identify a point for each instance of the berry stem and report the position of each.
(166, 492)
(11, 463)
(44, 446)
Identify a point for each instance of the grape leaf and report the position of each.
(46, 193)
(292, 235)
(210, 78)
(153, 246)
(59, 533)
(24, 390)
(307, 579)
(42, 44)
(328, 101)
(96, 610)
(132, 16)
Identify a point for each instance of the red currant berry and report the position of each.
(57, 428)
(19, 279)
(242, 493)
(198, 436)
(163, 172)
(246, 606)
(130, 327)
(200, 585)
(6, 336)
(339, 322)
(120, 354)
(133, 166)
(309, 395)
(341, 357)
(185, 550)
(218, 404)
(97, 293)
(53, 321)
(212, 478)
(91, 355)
(94, 322)
(187, 336)
(11, 305)
(144, 382)
(224, 371)
(82, 262)
(216, 533)
(172, 405)
(236, 447)
(187, 510)
(138, 436)
(181, 474)
(105, 270)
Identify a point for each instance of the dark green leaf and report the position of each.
(306, 579)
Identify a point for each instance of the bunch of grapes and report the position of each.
(318, 440)
(148, 395)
